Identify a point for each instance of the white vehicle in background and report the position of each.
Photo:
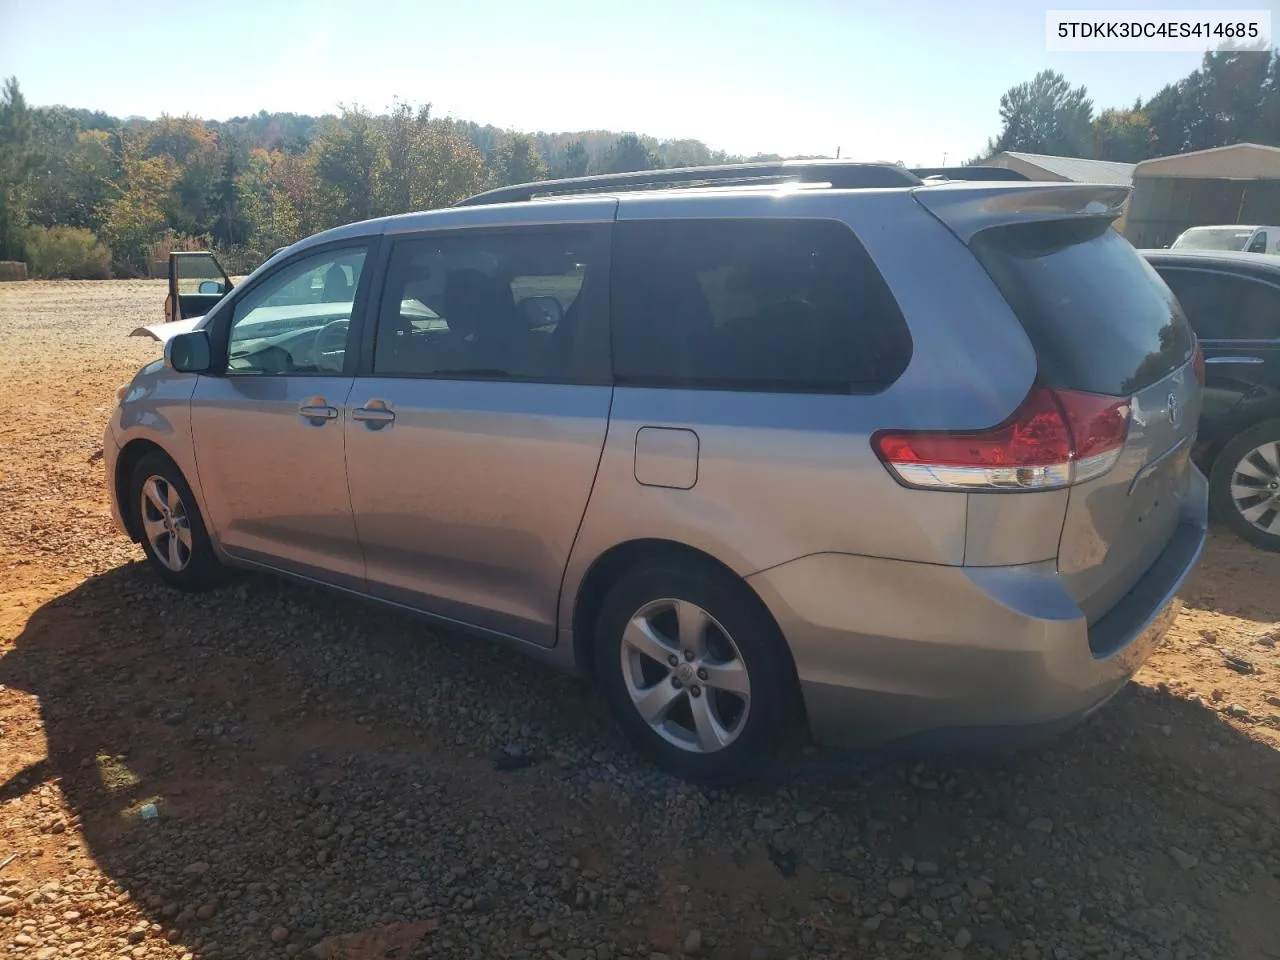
(1230, 237)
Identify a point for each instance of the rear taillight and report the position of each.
(1197, 364)
(1054, 439)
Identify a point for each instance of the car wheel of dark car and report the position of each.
(172, 530)
(1244, 485)
(695, 672)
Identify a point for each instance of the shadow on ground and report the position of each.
(321, 768)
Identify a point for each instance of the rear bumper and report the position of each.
(887, 650)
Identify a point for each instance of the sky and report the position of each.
(918, 82)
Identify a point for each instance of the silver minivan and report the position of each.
(751, 447)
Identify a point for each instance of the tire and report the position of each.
(185, 565)
(731, 737)
(1227, 480)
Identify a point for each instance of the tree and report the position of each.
(195, 153)
(349, 159)
(1046, 115)
(575, 161)
(18, 160)
(135, 218)
(517, 160)
(628, 154)
(271, 217)
(1123, 135)
(77, 168)
(229, 226)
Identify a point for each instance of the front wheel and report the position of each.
(174, 537)
(695, 672)
(1244, 485)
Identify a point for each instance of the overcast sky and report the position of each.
(881, 80)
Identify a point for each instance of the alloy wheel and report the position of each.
(165, 523)
(686, 676)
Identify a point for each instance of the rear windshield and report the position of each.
(1231, 238)
(1100, 318)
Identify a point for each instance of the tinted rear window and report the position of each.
(1099, 316)
(752, 304)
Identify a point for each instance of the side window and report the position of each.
(297, 319)
(761, 304)
(513, 305)
(1259, 244)
(1223, 307)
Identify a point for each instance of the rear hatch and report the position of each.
(1103, 323)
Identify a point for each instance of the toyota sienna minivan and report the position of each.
(751, 446)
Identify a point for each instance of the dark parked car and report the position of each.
(1233, 302)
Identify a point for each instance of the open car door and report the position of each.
(196, 282)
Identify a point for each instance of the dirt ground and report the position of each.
(334, 780)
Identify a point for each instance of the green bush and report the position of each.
(67, 253)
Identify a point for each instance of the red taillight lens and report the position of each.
(1197, 364)
(1053, 439)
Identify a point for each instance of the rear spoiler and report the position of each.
(969, 173)
(969, 208)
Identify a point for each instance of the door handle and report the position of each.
(1233, 360)
(317, 411)
(374, 414)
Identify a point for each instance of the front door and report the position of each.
(472, 444)
(196, 283)
(268, 429)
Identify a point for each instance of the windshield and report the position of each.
(1213, 238)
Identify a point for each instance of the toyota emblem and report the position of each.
(1174, 411)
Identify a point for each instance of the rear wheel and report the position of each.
(694, 671)
(174, 537)
(1244, 485)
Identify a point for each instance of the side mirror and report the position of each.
(188, 352)
(541, 311)
(209, 288)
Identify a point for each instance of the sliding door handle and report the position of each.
(317, 411)
(375, 414)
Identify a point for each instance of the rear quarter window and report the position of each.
(1100, 318)
(775, 305)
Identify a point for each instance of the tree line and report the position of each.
(86, 194)
(1234, 97)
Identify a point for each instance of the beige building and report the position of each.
(1235, 184)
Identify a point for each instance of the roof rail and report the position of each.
(840, 174)
(970, 173)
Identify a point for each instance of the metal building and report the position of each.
(1236, 184)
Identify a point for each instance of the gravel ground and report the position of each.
(267, 771)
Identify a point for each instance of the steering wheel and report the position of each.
(330, 346)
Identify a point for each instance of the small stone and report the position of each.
(23, 940)
(766, 825)
(1238, 710)
(953, 955)
(1217, 694)
(806, 816)
(279, 934)
(1072, 914)
(979, 889)
(963, 938)
(839, 894)
(901, 888)
(1183, 859)
(658, 956)
(322, 831)
(873, 923)
(1030, 951)
(8, 906)
(292, 950)
(908, 864)
(929, 912)
(1274, 701)
(71, 916)
(58, 827)
(46, 953)
(1266, 640)
(197, 869)
(927, 868)
(538, 929)
(692, 942)
(1041, 825)
(206, 912)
